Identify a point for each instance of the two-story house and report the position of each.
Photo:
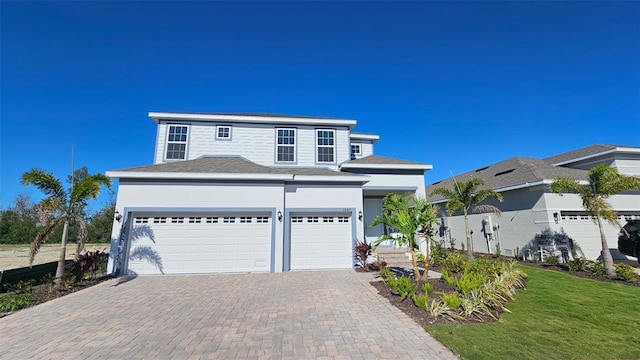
(253, 193)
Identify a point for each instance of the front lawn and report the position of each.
(558, 316)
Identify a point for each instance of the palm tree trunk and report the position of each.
(414, 263)
(469, 244)
(61, 259)
(607, 260)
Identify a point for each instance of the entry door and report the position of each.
(373, 208)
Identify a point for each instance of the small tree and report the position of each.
(464, 197)
(62, 207)
(604, 181)
(410, 216)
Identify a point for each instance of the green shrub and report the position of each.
(385, 274)
(427, 288)
(455, 263)
(419, 257)
(625, 272)
(439, 308)
(485, 266)
(420, 300)
(551, 260)
(577, 264)
(451, 299)
(437, 255)
(466, 282)
(13, 301)
(405, 287)
(597, 268)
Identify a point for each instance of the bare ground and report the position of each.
(17, 256)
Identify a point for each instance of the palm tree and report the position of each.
(603, 182)
(62, 207)
(410, 216)
(464, 197)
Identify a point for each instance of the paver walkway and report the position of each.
(294, 315)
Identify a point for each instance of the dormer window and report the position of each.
(356, 150)
(326, 146)
(223, 132)
(286, 145)
(177, 142)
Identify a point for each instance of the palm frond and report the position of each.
(563, 184)
(481, 209)
(42, 236)
(89, 188)
(45, 181)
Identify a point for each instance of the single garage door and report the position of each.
(210, 243)
(321, 241)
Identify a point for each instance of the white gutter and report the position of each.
(387, 166)
(370, 137)
(306, 178)
(199, 176)
(157, 116)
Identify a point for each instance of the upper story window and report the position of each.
(325, 140)
(223, 132)
(177, 142)
(356, 150)
(286, 145)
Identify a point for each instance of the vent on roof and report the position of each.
(504, 172)
(486, 167)
(436, 183)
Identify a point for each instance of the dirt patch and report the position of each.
(17, 256)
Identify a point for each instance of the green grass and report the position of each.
(558, 316)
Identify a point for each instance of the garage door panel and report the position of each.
(201, 244)
(321, 241)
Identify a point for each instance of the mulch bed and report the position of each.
(43, 293)
(583, 274)
(422, 316)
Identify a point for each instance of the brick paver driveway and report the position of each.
(294, 315)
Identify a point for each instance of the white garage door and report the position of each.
(321, 241)
(175, 244)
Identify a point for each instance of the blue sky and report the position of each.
(457, 85)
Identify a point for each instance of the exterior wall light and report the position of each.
(360, 215)
(117, 216)
(279, 215)
(555, 217)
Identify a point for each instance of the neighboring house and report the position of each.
(253, 193)
(531, 212)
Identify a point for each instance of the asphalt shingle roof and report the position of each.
(511, 172)
(230, 165)
(381, 160)
(575, 154)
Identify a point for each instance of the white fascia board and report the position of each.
(620, 149)
(388, 166)
(198, 176)
(370, 137)
(318, 178)
(277, 120)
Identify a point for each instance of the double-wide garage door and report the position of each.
(209, 243)
(321, 241)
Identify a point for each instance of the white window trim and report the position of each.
(294, 146)
(326, 146)
(218, 127)
(167, 142)
(359, 150)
